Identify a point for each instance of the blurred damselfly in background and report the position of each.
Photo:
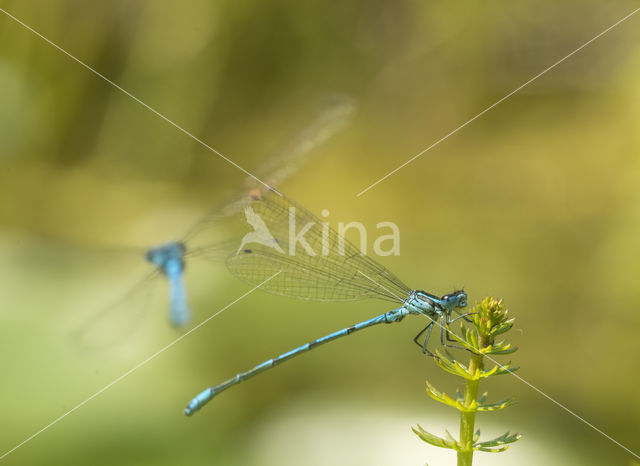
(208, 237)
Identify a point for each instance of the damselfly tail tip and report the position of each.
(178, 321)
(192, 407)
(198, 402)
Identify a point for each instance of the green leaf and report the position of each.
(504, 327)
(453, 367)
(498, 405)
(500, 348)
(471, 337)
(497, 444)
(434, 440)
(483, 374)
(442, 397)
(506, 369)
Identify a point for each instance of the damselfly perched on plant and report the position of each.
(292, 253)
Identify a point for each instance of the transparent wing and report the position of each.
(216, 250)
(325, 267)
(120, 318)
(334, 115)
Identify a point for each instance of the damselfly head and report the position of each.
(159, 255)
(455, 299)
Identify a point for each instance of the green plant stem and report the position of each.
(468, 417)
(489, 320)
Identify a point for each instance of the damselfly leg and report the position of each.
(445, 322)
(448, 322)
(423, 345)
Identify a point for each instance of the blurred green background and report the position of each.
(537, 202)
